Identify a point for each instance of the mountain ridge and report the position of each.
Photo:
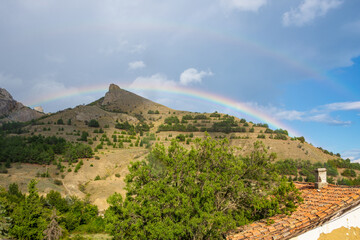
(12, 110)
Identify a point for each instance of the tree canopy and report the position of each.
(199, 193)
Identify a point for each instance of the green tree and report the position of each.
(29, 217)
(301, 139)
(84, 136)
(199, 193)
(93, 123)
(14, 189)
(5, 221)
(349, 173)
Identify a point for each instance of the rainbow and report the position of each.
(192, 93)
(226, 37)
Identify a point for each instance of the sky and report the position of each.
(296, 61)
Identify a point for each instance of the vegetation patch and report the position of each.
(176, 193)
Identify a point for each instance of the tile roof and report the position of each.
(319, 206)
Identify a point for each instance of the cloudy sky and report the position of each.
(297, 61)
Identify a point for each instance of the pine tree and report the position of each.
(5, 222)
(28, 217)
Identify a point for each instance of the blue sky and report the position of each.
(298, 61)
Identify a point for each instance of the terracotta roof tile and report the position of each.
(318, 207)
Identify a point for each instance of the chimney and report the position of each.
(320, 178)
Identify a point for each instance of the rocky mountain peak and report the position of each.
(120, 100)
(113, 88)
(5, 95)
(11, 110)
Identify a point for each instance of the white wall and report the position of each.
(349, 219)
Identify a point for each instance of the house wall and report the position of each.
(348, 220)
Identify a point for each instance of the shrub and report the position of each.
(93, 123)
(261, 136)
(348, 173)
(84, 136)
(215, 115)
(181, 137)
(58, 182)
(171, 120)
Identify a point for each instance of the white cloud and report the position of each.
(353, 155)
(308, 10)
(244, 5)
(136, 65)
(155, 81)
(343, 106)
(161, 81)
(325, 118)
(191, 75)
(320, 114)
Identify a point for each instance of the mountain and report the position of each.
(119, 106)
(11, 110)
(120, 100)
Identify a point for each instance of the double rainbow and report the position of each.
(192, 93)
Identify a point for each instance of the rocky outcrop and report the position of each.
(39, 109)
(7, 103)
(120, 100)
(11, 110)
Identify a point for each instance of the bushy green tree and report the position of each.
(93, 123)
(5, 221)
(349, 173)
(84, 136)
(29, 217)
(199, 193)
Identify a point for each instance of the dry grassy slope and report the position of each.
(284, 149)
(111, 162)
(115, 161)
(82, 183)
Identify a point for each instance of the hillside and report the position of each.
(122, 126)
(119, 106)
(11, 110)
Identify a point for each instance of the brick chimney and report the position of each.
(320, 178)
